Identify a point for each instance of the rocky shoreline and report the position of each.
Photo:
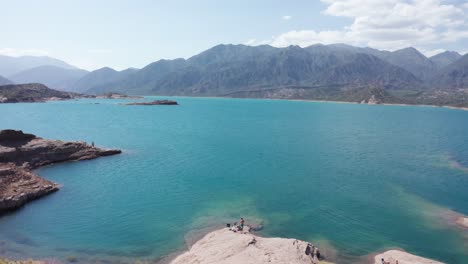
(20, 153)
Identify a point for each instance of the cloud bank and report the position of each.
(386, 24)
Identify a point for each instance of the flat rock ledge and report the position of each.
(227, 247)
(20, 153)
(392, 256)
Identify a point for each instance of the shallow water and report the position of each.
(356, 178)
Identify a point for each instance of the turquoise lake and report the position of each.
(355, 179)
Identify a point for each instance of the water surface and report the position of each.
(355, 178)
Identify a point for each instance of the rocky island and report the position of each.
(156, 102)
(20, 153)
(34, 93)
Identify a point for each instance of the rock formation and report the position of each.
(20, 153)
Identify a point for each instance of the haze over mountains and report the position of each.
(322, 72)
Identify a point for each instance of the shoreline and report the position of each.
(227, 247)
(223, 246)
(311, 101)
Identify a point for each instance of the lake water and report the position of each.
(354, 179)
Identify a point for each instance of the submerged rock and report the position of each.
(20, 153)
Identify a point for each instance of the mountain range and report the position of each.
(320, 72)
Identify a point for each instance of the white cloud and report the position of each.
(432, 52)
(387, 24)
(23, 52)
(286, 17)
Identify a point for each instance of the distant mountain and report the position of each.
(100, 77)
(413, 61)
(4, 81)
(31, 92)
(445, 58)
(229, 69)
(453, 76)
(51, 76)
(409, 59)
(12, 65)
(142, 81)
(319, 72)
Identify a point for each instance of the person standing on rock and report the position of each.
(308, 249)
(242, 222)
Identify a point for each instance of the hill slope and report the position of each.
(12, 65)
(445, 58)
(453, 76)
(51, 76)
(228, 69)
(4, 81)
(100, 77)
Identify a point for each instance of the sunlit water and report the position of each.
(355, 178)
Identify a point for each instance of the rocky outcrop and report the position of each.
(21, 152)
(19, 185)
(157, 102)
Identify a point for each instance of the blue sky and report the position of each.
(121, 34)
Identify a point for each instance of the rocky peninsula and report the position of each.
(156, 102)
(20, 153)
(34, 93)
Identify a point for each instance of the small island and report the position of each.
(156, 102)
(20, 153)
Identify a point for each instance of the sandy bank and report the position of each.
(392, 256)
(226, 247)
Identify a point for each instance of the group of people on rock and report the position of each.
(388, 262)
(313, 252)
(237, 227)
